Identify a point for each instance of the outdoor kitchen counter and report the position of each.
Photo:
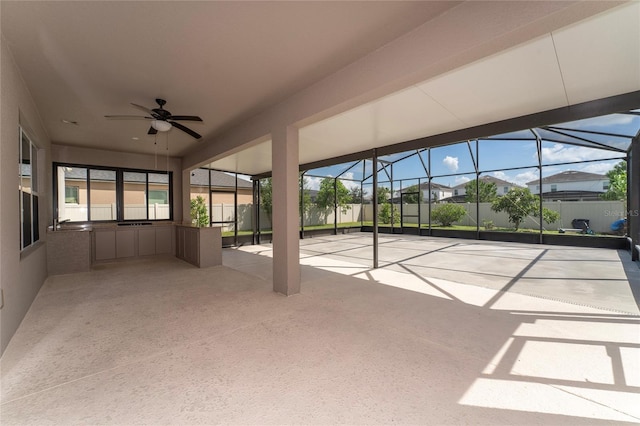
(68, 250)
(75, 247)
(200, 246)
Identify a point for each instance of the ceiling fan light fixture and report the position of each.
(161, 125)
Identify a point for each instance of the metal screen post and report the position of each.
(375, 208)
(335, 206)
(633, 194)
(302, 205)
(235, 213)
(539, 149)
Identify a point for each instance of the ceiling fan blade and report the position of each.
(186, 117)
(127, 117)
(185, 129)
(152, 131)
(145, 109)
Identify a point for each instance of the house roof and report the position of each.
(569, 176)
(491, 179)
(572, 195)
(434, 185)
(80, 173)
(218, 179)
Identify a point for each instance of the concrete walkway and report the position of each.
(158, 341)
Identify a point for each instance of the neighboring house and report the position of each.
(438, 192)
(502, 186)
(223, 185)
(571, 185)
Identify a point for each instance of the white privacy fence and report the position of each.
(313, 216)
(78, 212)
(601, 214)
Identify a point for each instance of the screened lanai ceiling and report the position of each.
(587, 61)
(596, 144)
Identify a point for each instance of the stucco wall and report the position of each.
(21, 274)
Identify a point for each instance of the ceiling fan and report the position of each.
(161, 119)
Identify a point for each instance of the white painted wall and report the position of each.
(21, 274)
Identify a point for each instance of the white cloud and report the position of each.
(461, 179)
(313, 182)
(561, 153)
(349, 184)
(524, 177)
(598, 168)
(451, 163)
(501, 175)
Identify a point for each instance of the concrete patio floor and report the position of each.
(447, 332)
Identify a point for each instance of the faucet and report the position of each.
(57, 222)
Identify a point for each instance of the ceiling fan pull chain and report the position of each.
(155, 149)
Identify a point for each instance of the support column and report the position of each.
(286, 243)
(186, 196)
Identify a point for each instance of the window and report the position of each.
(73, 207)
(554, 187)
(158, 196)
(605, 186)
(505, 189)
(455, 192)
(102, 194)
(135, 195)
(28, 191)
(71, 195)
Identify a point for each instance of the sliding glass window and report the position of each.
(85, 193)
(28, 191)
(135, 196)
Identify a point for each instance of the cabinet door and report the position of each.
(125, 243)
(180, 242)
(191, 246)
(105, 245)
(163, 240)
(146, 242)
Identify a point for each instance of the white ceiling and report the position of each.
(222, 60)
(228, 61)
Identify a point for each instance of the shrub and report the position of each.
(384, 214)
(518, 203)
(488, 224)
(550, 216)
(199, 216)
(446, 214)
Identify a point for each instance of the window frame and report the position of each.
(120, 171)
(33, 192)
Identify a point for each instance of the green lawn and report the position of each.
(423, 226)
(306, 228)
